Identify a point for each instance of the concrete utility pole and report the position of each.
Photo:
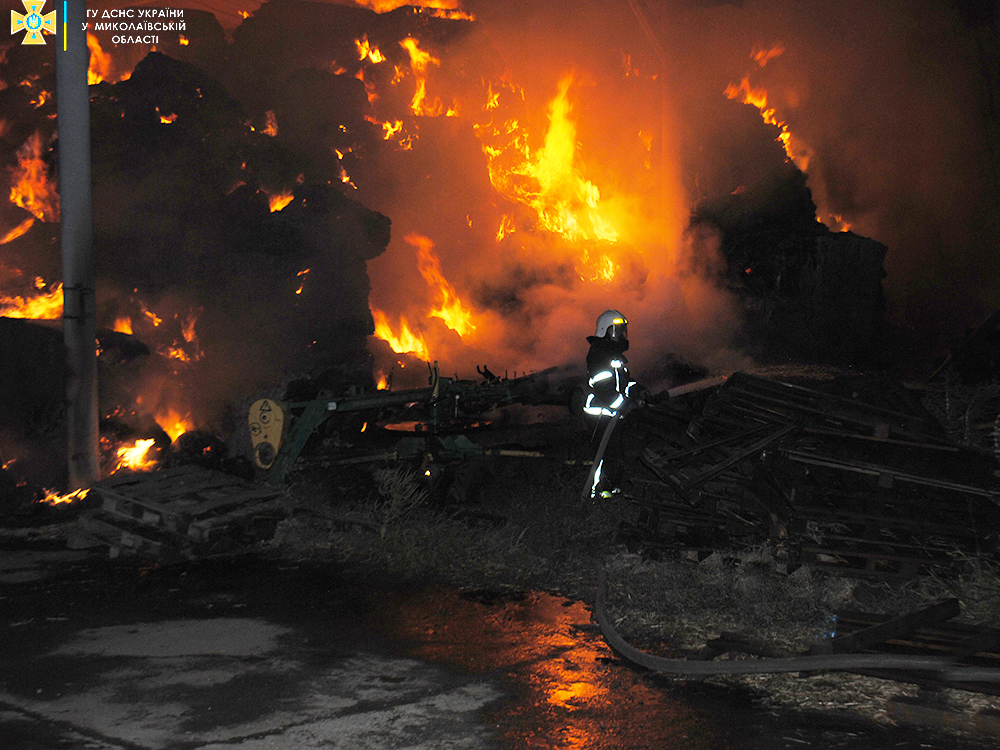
(77, 234)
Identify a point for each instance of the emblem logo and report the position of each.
(33, 22)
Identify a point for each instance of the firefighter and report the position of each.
(611, 390)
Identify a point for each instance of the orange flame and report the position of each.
(758, 98)
(385, 6)
(187, 329)
(383, 382)
(303, 275)
(175, 425)
(156, 319)
(279, 200)
(166, 119)
(406, 342)
(365, 49)
(549, 181)
(795, 150)
(449, 307)
(177, 350)
(45, 306)
(135, 456)
(100, 62)
(123, 325)
(31, 189)
(270, 124)
(763, 56)
(18, 231)
(52, 497)
(420, 60)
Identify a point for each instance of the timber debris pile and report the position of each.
(856, 479)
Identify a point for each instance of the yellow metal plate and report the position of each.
(267, 423)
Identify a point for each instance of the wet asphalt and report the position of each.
(255, 653)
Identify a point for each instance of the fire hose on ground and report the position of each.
(942, 667)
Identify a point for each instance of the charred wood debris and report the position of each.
(853, 477)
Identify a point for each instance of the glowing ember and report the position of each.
(369, 86)
(278, 201)
(45, 306)
(166, 119)
(406, 342)
(135, 456)
(18, 231)
(100, 62)
(52, 497)
(187, 329)
(302, 274)
(762, 56)
(156, 319)
(365, 50)
(30, 186)
(184, 41)
(449, 307)
(391, 128)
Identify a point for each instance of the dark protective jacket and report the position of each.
(610, 382)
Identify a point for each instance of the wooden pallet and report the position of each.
(173, 513)
(843, 485)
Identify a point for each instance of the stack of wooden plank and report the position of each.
(836, 481)
(172, 514)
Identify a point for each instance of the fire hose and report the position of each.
(942, 667)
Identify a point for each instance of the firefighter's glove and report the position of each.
(641, 397)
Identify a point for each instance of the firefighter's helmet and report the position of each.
(612, 324)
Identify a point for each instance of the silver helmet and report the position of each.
(613, 325)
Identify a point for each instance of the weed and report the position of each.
(399, 495)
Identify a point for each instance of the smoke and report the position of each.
(890, 106)
(537, 290)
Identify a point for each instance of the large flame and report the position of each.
(548, 180)
(449, 308)
(31, 188)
